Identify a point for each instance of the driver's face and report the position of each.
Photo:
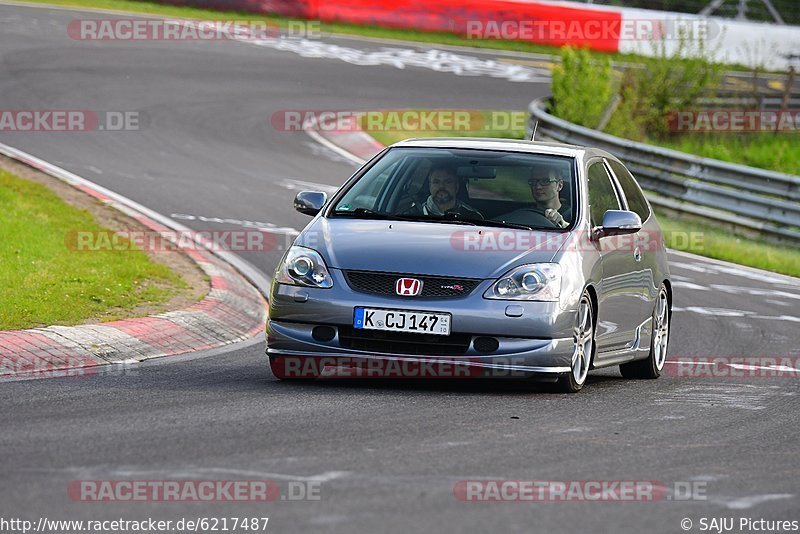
(443, 187)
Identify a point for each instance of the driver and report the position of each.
(443, 198)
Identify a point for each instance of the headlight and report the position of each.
(303, 267)
(536, 281)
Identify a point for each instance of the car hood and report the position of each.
(426, 248)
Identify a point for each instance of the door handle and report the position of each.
(637, 254)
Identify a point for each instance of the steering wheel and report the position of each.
(528, 216)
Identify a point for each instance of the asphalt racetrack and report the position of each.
(385, 455)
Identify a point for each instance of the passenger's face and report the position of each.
(545, 187)
(443, 187)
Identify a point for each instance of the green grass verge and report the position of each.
(777, 152)
(713, 242)
(43, 282)
(681, 234)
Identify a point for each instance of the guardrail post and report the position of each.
(609, 112)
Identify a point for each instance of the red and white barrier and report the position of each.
(603, 28)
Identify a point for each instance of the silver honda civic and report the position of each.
(475, 257)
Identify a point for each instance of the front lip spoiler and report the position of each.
(401, 357)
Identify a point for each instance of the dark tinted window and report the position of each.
(602, 196)
(636, 201)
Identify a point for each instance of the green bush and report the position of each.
(582, 87)
(631, 118)
(674, 79)
(679, 73)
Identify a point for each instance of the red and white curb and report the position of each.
(234, 309)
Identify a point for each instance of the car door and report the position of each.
(620, 292)
(648, 241)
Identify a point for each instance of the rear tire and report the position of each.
(584, 348)
(651, 366)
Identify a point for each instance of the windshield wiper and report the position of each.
(503, 224)
(458, 218)
(363, 213)
(452, 217)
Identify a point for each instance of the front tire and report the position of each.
(584, 348)
(651, 367)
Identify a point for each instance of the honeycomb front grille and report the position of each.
(379, 283)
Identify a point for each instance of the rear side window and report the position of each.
(636, 201)
(602, 196)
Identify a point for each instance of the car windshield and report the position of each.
(465, 186)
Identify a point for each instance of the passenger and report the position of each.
(545, 184)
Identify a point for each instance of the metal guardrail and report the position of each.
(758, 200)
(745, 101)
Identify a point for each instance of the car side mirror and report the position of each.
(310, 202)
(620, 222)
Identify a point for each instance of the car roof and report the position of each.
(511, 145)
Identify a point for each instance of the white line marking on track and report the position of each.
(265, 226)
(737, 290)
(300, 185)
(205, 471)
(401, 58)
(689, 285)
(310, 128)
(791, 318)
(743, 503)
(718, 312)
(324, 151)
(731, 395)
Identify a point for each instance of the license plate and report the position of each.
(402, 321)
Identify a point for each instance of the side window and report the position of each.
(365, 193)
(636, 201)
(419, 175)
(602, 196)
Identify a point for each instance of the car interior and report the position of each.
(493, 190)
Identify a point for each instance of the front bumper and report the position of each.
(531, 337)
(514, 357)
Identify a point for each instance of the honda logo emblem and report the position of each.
(408, 287)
